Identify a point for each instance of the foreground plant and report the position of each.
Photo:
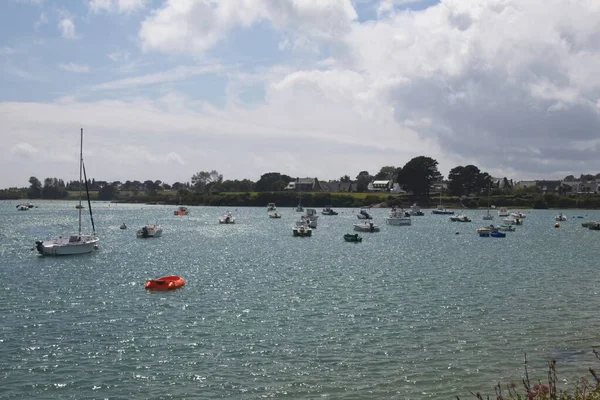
(583, 390)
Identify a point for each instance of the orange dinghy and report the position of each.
(169, 282)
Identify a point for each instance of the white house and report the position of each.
(380, 186)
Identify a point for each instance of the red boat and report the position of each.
(169, 282)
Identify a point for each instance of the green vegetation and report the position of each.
(546, 389)
(419, 181)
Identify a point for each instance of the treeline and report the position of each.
(419, 177)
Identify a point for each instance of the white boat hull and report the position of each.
(366, 228)
(398, 221)
(64, 246)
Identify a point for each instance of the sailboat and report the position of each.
(73, 244)
(299, 207)
(488, 216)
(440, 209)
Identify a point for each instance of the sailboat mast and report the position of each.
(80, 175)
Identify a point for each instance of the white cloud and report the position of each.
(118, 56)
(118, 6)
(509, 85)
(6, 51)
(41, 21)
(72, 67)
(67, 28)
(24, 150)
(173, 75)
(181, 26)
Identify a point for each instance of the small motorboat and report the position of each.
(149, 231)
(301, 228)
(181, 211)
(274, 214)
(587, 224)
(364, 214)
(560, 217)
(227, 218)
(168, 282)
(352, 237)
(123, 226)
(366, 227)
(460, 218)
(328, 211)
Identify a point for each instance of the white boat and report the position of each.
(73, 244)
(460, 218)
(274, 214)
(415, 210)
(22, 207)
(364, 214)
(488, 216)
(560, 217)
(149, 231)
(512, 221)
(227, 218)
(271, 207)
(366, 226)
(503, 212)
(398, 217)
(519, 215)
(301, 228)
(312, 217)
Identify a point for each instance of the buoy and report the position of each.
(557, 225)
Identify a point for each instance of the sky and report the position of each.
(308, 88)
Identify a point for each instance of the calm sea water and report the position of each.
(415, 312)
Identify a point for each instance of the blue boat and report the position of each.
(497, 234)
(484, 234)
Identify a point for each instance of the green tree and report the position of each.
(467, 180)
(108, 192)
(202, 181)
(345, 179)
(386, 173)
(54, 189)
(272, 182)
(418, 174)
(35, 188)
(362, 181)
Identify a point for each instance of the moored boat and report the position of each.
(560, 217)
(123, 226)
(149, 231)
(415, 211)
(274, 214)
(328, 211)
(398, 217)
(352, 237)
(367, 226)
(181, 211)
(301, 228)
(79, 243)
(587, 224)
(227, 218)
(460, 218)
(169, 282)
(364, 214)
